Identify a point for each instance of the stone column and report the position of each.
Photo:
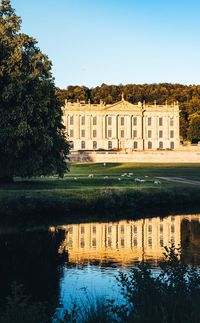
(128, 126)
(76, 127)
(114, 126)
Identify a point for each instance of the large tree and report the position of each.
(32, 139)
(194, 128)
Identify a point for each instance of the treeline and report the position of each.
(188, 97)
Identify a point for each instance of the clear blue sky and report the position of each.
(91, 42)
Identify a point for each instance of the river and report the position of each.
(75, 262)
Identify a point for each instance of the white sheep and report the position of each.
(157, 182)
(91, 175)
(137, 180)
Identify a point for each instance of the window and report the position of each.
(171, 133)
(161, 228)
(71, 120)
(94, 133)
(109, 121)
(172, 228)
(122, 133)
(135, 145)
(94, 229)
(161, 242)
(135, 121)
(149, 145)
(83, 121)
(135, 229)
(149, 133)
(94, 242)
(70, 230)
(122, 243)
(149, 121)
(134, 133)
(71, 133)
(82, 144)
(71, 143)
(160, 145)
(150, 242)
(82, 230)
(150, 228)
(160, 133)
(109, 242)
(109, 229)
(109, 133)
(122, 228)
(122, 121)
(82, 243)
(135, 242)
(160, 121)
(94, 145)
(82, 133)
(110, 145)
(171, 145)
(94, 121)
(171, 122)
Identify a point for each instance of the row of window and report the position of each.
(135, 145)
(122, 228)
(122, 133)
(122, 121)
(121, 242)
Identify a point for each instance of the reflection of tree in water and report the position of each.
(190, 240)
(32, 259)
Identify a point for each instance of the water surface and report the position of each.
(75, 262)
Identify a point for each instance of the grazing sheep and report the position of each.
(157, 182)
(105, 177)
(137, 180)
(75, 178)
(119, 179)
(90, 175)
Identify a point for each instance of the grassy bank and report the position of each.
(93, 191)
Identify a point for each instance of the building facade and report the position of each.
(121, 126)
(127, 241)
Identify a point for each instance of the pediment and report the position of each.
(122, 106)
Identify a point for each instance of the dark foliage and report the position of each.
(32, 140)
(187, 95)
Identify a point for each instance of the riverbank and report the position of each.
(95, 191)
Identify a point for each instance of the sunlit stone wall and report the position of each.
(121, 126)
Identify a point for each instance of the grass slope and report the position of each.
(42, 200)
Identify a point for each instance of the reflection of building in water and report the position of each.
(122, 241)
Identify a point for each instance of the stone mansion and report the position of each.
(121, 126)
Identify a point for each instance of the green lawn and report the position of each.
(109, 175)
(108, 191)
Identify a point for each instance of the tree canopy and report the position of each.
(188, 97)
(32, 138)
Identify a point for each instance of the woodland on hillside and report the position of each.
(188, 97)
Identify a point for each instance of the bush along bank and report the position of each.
(171, 296)
(38, 208)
